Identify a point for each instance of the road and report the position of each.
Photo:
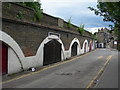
(74, 73)
(109, 78)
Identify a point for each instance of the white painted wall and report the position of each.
(37, 60)
(93, 45)
(78, 47)
(13, 62)
(18, 55)
(87, 47)
(17, 60)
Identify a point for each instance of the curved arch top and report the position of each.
(85, 46)
(13, 45)
(39, 54)
(78, 47)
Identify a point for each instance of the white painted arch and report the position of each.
(37, 60)
(40, 52)
(14, 48)
(78, 46)
(93, 45)
(32, 61)
(87, 47)
(12, 43)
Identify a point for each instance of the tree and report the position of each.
(36, 6)
(111, 12)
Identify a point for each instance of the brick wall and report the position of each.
(29, 34)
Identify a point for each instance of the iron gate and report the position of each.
(52, 52)
(85, 48)
(74, 49)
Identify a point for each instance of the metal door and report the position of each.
(74, 49)
(4, 54)
(90, 47)
(52, 52)
(85, 47)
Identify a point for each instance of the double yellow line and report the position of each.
(100, 72)
(45, 68)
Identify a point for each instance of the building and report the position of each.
(102, 37)
(106, 38)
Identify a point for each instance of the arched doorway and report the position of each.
(52, 52)
(74, 49)
(90, 47)
(85, 48)
(4, 59)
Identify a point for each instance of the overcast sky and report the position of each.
(77, 10)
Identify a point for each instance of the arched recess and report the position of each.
(75, 47)
(52, 52)
(85, 46)
(90, 45)
(13, 49)
(4, 57)
(93, 45)
(46, 41)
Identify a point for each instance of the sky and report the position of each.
(77, 10)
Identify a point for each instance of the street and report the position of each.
(109, 78)
(75, 73)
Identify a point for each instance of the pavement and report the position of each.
(74, 73)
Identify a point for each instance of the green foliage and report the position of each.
(8, 6)
(94, 36)
(69, 24)
(81, 29)
(111, 12)
(20, 15)
(118, 47)
(37, 8)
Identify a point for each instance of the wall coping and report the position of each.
(74, 31)
(44, 26)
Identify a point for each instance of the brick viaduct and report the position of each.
(27, 43)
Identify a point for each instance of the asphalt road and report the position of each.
(74, 73)
(109, 78)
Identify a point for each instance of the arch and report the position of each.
(40, 52)
(74, 49)
(52, 52)
(90, 45)
(85, 47)
(4, 60)
(75, 40)
(11, 43)
(93, 44)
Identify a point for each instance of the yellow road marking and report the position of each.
(100, 71)
(46, 68)
(100, 57)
